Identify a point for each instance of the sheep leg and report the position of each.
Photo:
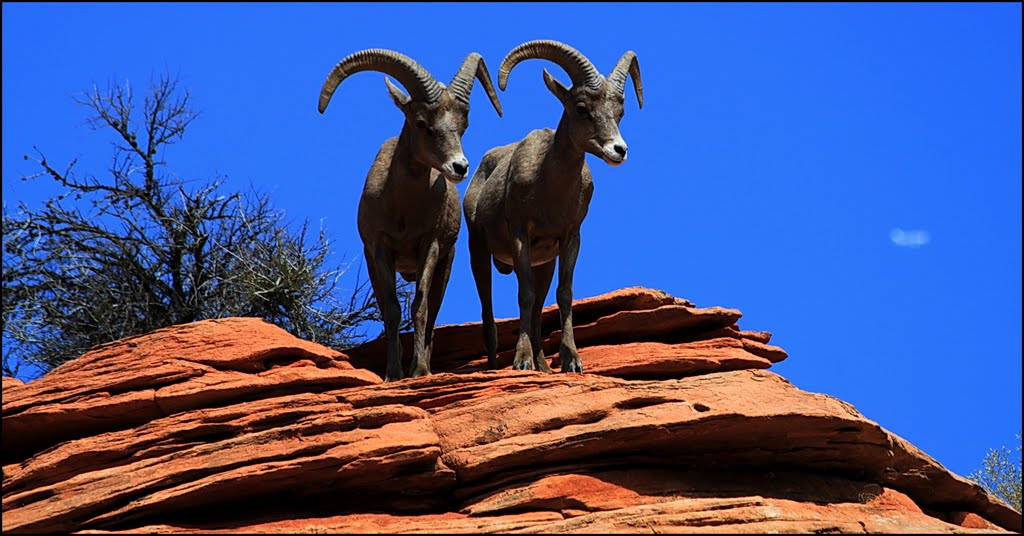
(524, 273)
(420, 365)
(569, 249)
(542, 276)
(381, 267)
(480, 260)
(437, 288)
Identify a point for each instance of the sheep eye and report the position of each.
(421, 123)
(582, 110)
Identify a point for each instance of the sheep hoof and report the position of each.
(576, 367)
(571, 361)
(524, 356)
(524, 364)
(523, 361)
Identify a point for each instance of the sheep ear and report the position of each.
(556, 87)
(401, 99)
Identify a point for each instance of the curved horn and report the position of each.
(579, 68)
(417, 81)
(618, 76)
(462, 83)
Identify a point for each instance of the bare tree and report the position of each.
(139, 249)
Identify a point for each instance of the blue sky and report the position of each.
(847, 175)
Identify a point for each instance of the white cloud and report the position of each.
(909, 239)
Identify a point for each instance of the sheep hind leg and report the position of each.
(437, 288)
(421, 305)
(480, 261)
(570, 248)
(524, 274)
(381, 268)
(542, 276)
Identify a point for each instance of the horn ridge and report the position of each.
(628, 64)
(462, 83)
(575, 64)
(417, 81)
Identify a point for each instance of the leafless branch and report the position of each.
(138, 249)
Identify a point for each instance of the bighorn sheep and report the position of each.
(526, 201)
(409, 214)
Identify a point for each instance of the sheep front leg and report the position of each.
(542, 276)
(381, 266)
(524, 274)
(569, 249)
(480, 260)
(421, 311)
(437, 287)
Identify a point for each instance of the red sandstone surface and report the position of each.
(233, 425)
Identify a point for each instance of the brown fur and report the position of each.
(409, 214)
(524, 207)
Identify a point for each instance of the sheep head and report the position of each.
(594, 105)
(436, 116)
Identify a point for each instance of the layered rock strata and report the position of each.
(233, 425)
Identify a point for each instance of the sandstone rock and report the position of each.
(749, 515)
(264, 448)
(448, 523)
(11, 383)
(969, 520)
(456, 343)
(651, 360)
(157, 437)
(235, 426)
(762, 337)
(715, 350)
(634, 314)
(888, 512)
(612, 489)
(669, 323)
(663, 322)
(135, 380)
(651, 500)
(655, 360)
(499, 423)
(754, 502)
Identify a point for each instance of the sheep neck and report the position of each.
(412, 169)
(566, 158)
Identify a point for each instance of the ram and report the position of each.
(409, 214)
(526, 201)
